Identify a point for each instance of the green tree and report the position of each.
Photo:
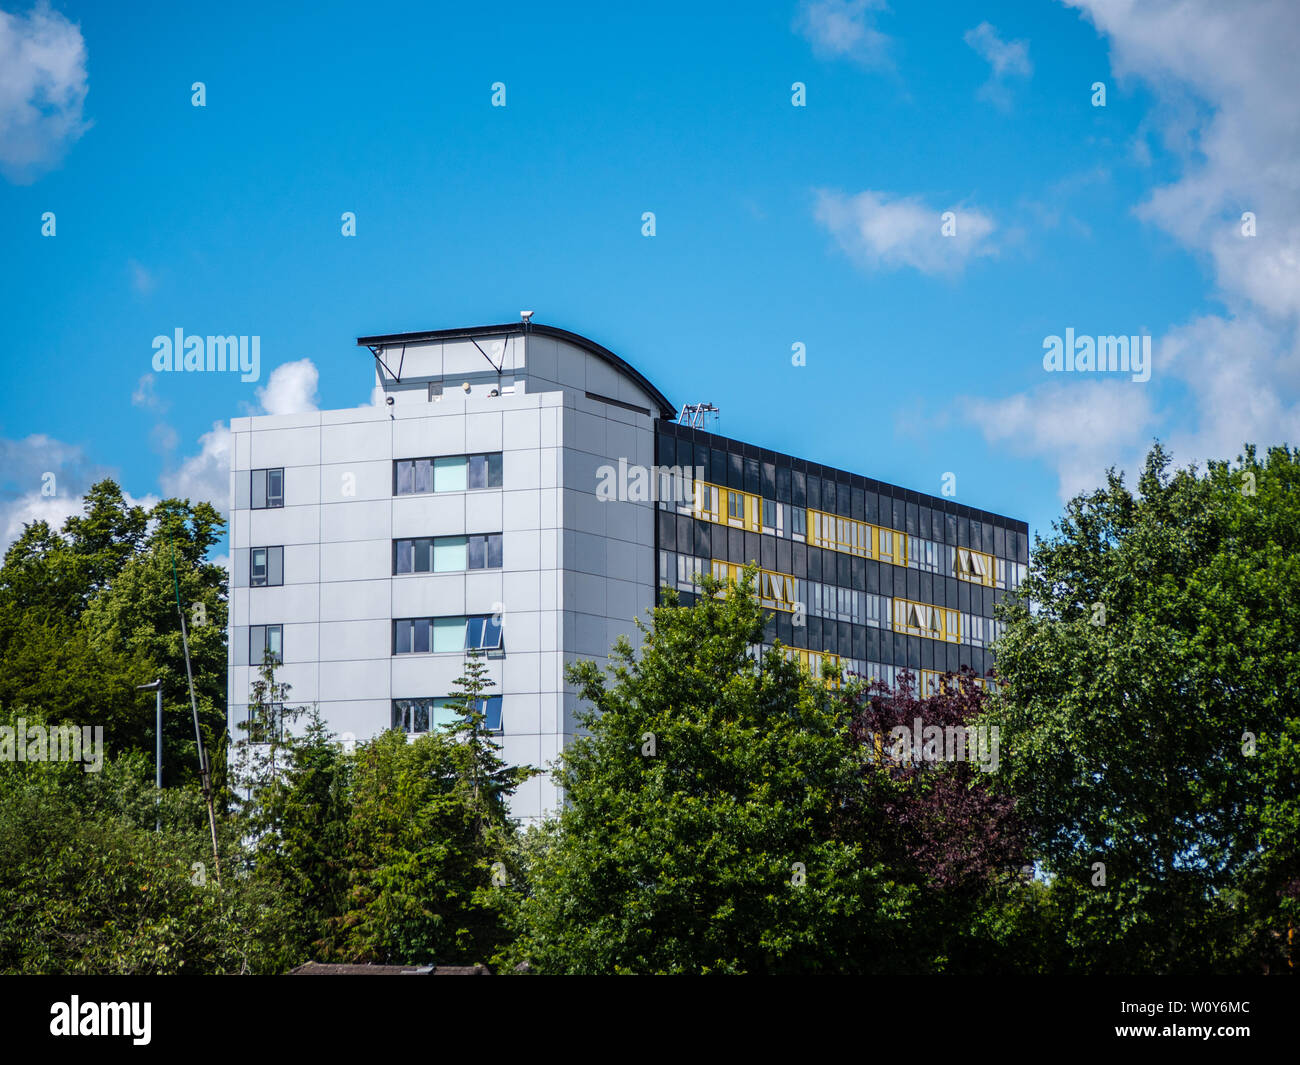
(431, 846)
(298, 820)
(88, 886)
(89, 613)
(700, 832)
(135, 620)
(1149, 716)
(491, 780)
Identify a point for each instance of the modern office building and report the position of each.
(512, 493)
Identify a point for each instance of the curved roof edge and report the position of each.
(666, 409)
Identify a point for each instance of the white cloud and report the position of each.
(1245, 376)
(205, 476)
(146, 394)
(882, 233)
(42, 91)
(1007, 58)
(842, 29)
(1083, 425)
(35, 467)
(291, 389)
(1227, 90)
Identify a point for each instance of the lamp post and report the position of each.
(156, 687)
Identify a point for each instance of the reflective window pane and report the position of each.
(404, 558)
(423, 556)
(473, 633)
(405, 477)
(259, 489)
(402, 638)
(423, 475)
(494, 551)
(477, 552)
(494, 470)
(420, 635)
(478, 471)
(275, 488)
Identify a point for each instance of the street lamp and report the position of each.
(156, 687)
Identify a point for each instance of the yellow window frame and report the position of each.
(933, 622)
(977, 567)
(931, 682)
(767, 584)
(713, 503)
(812, 662)
(852, 537)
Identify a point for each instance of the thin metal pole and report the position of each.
(158, 764)
(205, 777)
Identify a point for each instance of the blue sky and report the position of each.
(775, 224)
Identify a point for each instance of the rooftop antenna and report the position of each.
(699, 415)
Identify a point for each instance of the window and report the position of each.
(891, 546)
(268, 488)
(973, 566)
(852, 537)
(448, 635)
(798, 522)
(450, 475)
(485, 470)
(769, 514)
(922, 619)
(922, 554)
(447, 554)
(776, 591)
(450, 553)
(265, 640)
(743, 508)
(483, 632)
(812, 661)
(418, 716)
(265, 566)
(840, 534)
(447, 473)
(706, 502)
